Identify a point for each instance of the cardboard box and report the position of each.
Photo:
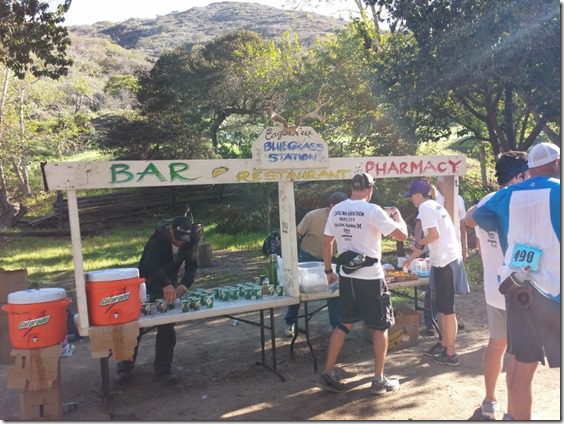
(35, 369)
(42, 404)
(405, 332)
(10, 281)
(120, 339)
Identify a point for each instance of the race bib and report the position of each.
(525, 256)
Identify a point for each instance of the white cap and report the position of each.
(543, 153)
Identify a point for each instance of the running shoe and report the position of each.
(489, 409)
(330, 383)
(444, 359)
(384, 386)
(437, 349)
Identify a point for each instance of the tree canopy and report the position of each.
(31, 39)
(493, 67)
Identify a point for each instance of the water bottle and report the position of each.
(273, 277)
(143, 292)
(333, 287)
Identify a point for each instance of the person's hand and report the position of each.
(169, 294)
(393, 213)
(181, 290)
(407, 263)
(331, 278)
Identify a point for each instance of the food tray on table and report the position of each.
(396, 276)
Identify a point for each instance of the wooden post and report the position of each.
(81, 303)
(288, 237)
(449, 190)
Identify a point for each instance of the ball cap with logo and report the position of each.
(362, 181)
(420, 185)
(543, 153)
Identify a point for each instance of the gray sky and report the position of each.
(90, 11)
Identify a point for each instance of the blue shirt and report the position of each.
(529, 213)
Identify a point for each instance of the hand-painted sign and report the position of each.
(290, 148)
(413, 166)
(114, 174)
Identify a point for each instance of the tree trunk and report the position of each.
(21, 165)
(483, 168)
(8, 215)
(3, 188)
(508, 117)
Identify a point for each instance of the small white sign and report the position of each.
(290, 147)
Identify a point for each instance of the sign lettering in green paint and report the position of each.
(121, 173)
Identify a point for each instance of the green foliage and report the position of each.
(49, 260)
(119, 83)
(475, 271)
(31, 38)
(472, 63)
(254, 208)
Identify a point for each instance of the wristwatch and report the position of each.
(329, 271)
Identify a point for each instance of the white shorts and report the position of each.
(497, 323)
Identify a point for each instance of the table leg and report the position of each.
(105, 370)
(306, 327)
(262, 342)
(273, 339)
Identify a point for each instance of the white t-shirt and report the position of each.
(461, 210)
(446, 248)
(359, 226)
(492, 259)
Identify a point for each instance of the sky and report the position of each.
(83, 12)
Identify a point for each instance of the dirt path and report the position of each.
(221, 381)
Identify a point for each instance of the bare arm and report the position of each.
(327, 254)
(401, 232)
(432, 235)
(468, 220)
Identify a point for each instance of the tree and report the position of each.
(31, 40)
(491, 67)
(192, 96)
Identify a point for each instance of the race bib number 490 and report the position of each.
(525, 256)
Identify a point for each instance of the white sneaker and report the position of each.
(290, 330)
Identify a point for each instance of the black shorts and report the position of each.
(442, 289)
(533, 327)
(366, 300)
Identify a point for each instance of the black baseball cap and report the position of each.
(362, 181)
(182, 228)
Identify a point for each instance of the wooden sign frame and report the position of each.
(73, 176)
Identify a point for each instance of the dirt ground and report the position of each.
(221, 380)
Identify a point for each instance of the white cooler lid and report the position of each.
(26, 297)
(112, 274)
(310, 265)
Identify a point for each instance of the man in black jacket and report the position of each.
(168, 264)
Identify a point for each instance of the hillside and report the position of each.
(203, 24)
